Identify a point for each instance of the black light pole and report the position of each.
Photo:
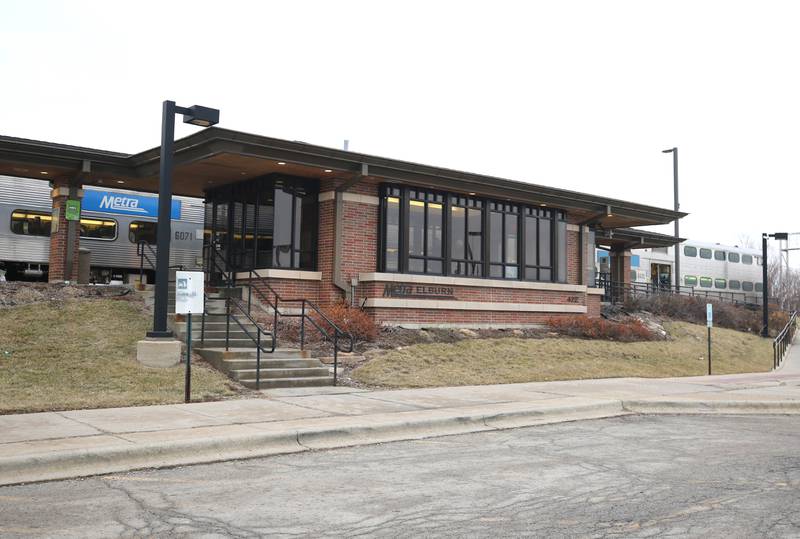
(674, 152)
(195, 115)
(764, 287)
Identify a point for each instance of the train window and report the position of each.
(690, 280)
(688, 250)
(733, 257)
(719, 255)
(705, 253)
(30, 223)
(98, 229)
(734, 285)
(142, 231)
(759, 287)
(705, 282)
(747, 286)
(747, 259)
(720, 283)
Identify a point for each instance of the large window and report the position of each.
(425, 232)
(690, 280)
(734, 284)
(733, 257)
(688, 250)
(142, 231)
(719, 255)
(447, 234)
(503, 240)
(747, 259)
(30, 223)
(747, 286)
(720, 283)
(705, 253)
(269, 222)
(538, 244)
(37, 223)
(466, 237)
(705, 282)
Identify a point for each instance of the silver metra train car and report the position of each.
(112, 223)
(711, 269)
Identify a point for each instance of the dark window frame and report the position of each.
(687, 278)
(137, 223)
(690, 248)
(704, 250)
(255, 193)
(733, 257)
(454, 199)
(702, 280)
(719, 256)
(83, 218)
(736, 286)
(748, 258)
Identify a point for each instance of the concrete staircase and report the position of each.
(285, 367)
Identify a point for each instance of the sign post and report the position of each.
(72, 211)
(189, 292)
(709, 324)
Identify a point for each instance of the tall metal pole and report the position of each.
(677, 227)
(764, 291)
(164, 231)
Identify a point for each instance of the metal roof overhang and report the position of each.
(217, 156)
(631, 238)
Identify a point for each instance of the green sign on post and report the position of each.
(72, 212)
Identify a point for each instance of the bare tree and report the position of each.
(784, 286)
(744, 240)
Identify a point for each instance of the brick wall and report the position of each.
(388, 316)
(58, 241)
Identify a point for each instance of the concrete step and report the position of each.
(220, 354)
(232, 343)
(267, 362)
(271, 374)
(275, 383)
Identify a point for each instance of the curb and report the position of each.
(352, 431)
(711, 407)
(364, 430)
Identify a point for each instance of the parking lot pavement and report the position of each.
(632, 476)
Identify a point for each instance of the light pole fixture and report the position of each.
(674, 152)
(764, 287)
(195, 115)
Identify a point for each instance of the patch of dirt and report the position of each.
(654, 323)
(21, 293)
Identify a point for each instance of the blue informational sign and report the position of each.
(126, 204)
(634, 261)
(601, 253)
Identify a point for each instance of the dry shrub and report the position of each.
(598, 328)
(693, 309)
(351, 320)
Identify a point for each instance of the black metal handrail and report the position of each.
(215, 261)
(333, 333)
(229, 302)
(783, 340)
(615, 292)
(142, 249)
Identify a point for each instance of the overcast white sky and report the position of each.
(579, 95)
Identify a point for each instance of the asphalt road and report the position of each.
(700, 476)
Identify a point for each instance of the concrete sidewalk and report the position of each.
(58, 445)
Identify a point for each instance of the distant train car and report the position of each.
(113, 222)
(710, 269)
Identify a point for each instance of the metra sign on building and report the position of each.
(409, 243)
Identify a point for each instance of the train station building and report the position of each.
(412, 244)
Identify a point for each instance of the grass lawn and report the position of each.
(510, 360)
(81, 353)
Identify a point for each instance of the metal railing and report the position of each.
(308, 310)
(783, 340)
(236, 304)
(144, 251)
(616, 292)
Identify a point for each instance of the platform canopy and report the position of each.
(632, 238)
(216, 156)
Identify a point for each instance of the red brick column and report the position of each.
(58, 236)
